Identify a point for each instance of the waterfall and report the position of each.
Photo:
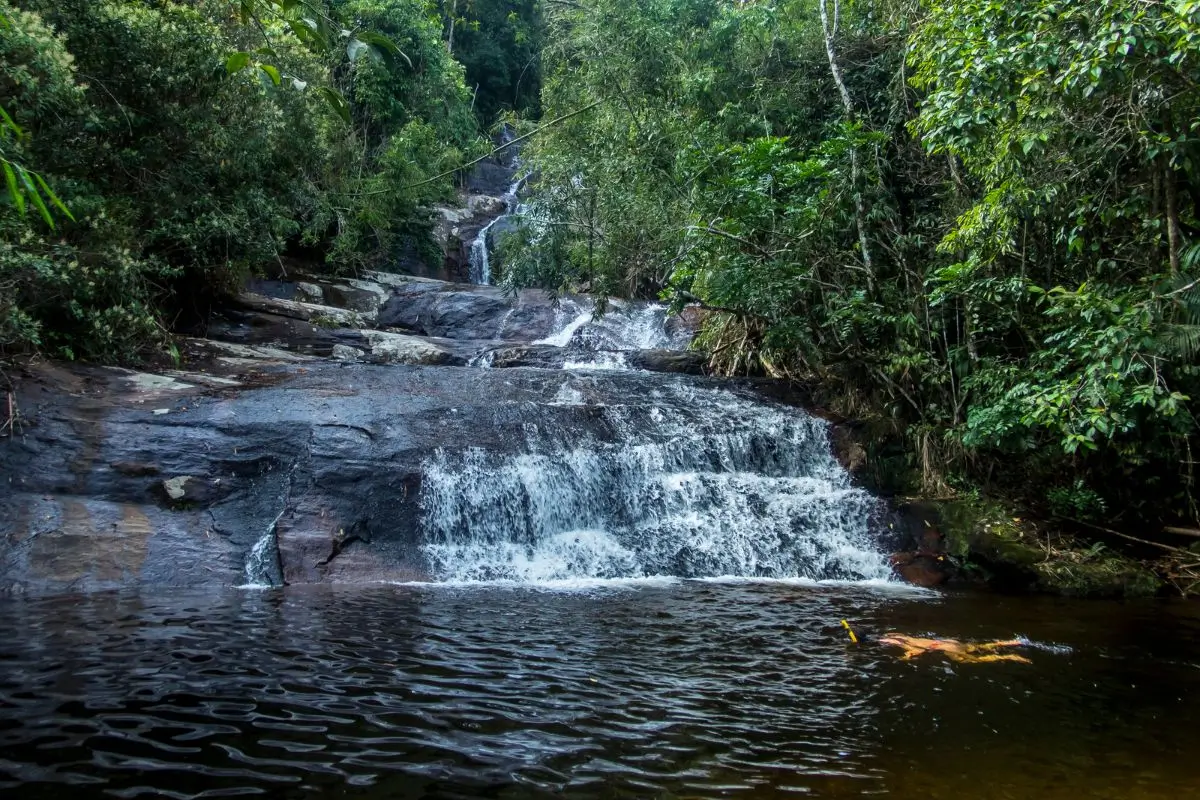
(480, 255)
(625, 326)
(601, 341)
(262, 564)
(692, 482)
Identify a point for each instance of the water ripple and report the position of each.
(680, 689)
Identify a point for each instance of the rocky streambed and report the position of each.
(298, 443)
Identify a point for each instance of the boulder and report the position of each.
(921, 569)
(395, 348)
(309, 293)
(465, 311)
(324, 316)
(343, 352)
(688, 362)
(543, 356)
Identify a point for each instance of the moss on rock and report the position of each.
(991, 545)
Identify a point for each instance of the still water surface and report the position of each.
(660, 690)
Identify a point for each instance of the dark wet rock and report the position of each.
(543, 356)
(465, 311)
(284, 332)
(921, 569)
(322, 459)
(491, 178)
(546, 356)
(324, 316)
(688, 362)
(136, 469)
(365, 297)
(848, 448)
(188, 490)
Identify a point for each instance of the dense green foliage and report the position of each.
(192, 142)
(499, 43)
(973, 222)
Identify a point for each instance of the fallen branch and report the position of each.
(1161, 546)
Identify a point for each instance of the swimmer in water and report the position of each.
(961, 652)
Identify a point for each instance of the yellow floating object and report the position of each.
(850, 631)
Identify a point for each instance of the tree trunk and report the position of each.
(860, 212)
(1174, 235)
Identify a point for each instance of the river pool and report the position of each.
(656, 689)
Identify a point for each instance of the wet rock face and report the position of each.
(302, 419)
(112, 484)
(463, 311)
(544, 356)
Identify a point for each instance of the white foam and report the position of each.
(565, 585)
(263, 556)
(699, 483)
(563, 335)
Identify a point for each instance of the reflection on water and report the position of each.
(673, 690)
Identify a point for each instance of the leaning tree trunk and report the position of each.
(860, 212)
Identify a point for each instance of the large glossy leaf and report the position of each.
(34, 196)
(335, 101)
(272, 73)
(14, 191)
(355, 49)
(10, 124)
(383, 44)
(53, 197)
(237, 62)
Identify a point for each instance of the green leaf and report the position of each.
(10, 124)
(336, 102)
(53, 197)
(384, 44)
(355, 48)
(14, 191)
(237, 62)
(34, 197)
(272, 73)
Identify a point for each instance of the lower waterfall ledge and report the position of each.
(352, 448)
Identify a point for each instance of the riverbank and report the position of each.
(971, 541)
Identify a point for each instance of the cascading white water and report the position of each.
(600, 342)
(262, 563)
(624, 326)
(692, 483)
(480, 259)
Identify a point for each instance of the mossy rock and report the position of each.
(1006, 552)
(1113, 576)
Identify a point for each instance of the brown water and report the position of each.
(678, 690)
